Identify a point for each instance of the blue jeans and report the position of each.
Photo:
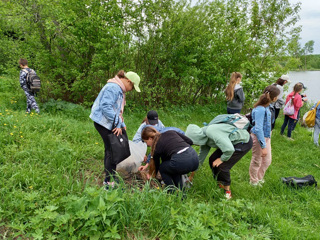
(178, 165)
(287, 121)
(316, 132)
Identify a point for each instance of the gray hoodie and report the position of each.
(238, 99)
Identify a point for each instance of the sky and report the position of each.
(309, 20)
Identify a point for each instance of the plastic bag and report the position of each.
(133, 162)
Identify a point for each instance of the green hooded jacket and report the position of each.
(222, 136)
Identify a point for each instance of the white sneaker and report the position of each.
(255, 184)
(228, 195)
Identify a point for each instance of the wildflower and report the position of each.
(20, 132)
(30, 187)
(97, 143)
(11, 134)
(15, 126)
(21, 136)
(5, 124)
(6, 110)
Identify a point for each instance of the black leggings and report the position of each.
(109, 167)
(222, 172)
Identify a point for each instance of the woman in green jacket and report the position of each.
(231, 145)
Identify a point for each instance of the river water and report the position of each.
(311, 79)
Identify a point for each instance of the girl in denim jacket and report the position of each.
(107, 111)
(261, 133)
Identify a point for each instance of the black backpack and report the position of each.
(299, 182)
(249, 117)
(33, 80)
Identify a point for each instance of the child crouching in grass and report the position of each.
(176, 154)
(231, 145)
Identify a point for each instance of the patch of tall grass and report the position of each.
(51, 172)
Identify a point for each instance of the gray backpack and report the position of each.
(33, 80)
(237, 120)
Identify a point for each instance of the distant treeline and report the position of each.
(184, 54)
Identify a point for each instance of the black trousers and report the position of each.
(109, 167)
(276, 114)
(222, 172)
(233, 111)
(183, 163)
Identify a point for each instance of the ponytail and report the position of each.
(229, 91)
(297, 88)
(268, 95)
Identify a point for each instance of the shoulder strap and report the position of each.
(317, 104)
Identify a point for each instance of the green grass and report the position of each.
(51, 172)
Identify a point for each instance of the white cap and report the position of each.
(286, 78)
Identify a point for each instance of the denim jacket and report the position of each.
(137, 136)
(318, 110)
(106, 108)
(261, 117)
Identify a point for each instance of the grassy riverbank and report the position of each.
(51, 172)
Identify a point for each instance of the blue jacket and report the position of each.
(261, 117)
(106, 108)
(137, 136)
(318, 110)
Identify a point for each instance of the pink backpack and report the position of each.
(289, 108)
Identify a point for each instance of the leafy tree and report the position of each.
(184, 53)
(308, 48)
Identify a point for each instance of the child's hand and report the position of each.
(143, 168)
(145, 158)
(216, 162)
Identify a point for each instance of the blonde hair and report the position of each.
(151, 132)
(269, 93)
(232, 83)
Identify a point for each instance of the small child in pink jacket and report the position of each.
(297, 103)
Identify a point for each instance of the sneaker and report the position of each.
(255, 184)
(289, 138)
(228, 194)
(109, 185)
(261, 181)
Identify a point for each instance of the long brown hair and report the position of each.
(297, 88)
(281, 82)
(232, 83)
(151, 132)
(269, 93)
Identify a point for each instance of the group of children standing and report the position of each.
(171, 151)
